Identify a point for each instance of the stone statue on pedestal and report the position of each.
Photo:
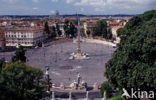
(78, 79)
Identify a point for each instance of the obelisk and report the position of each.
(78, 54)
(78, 41)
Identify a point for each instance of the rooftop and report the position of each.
(23, 29)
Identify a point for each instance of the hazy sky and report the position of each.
(48, 7)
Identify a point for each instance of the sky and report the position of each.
(87, 7)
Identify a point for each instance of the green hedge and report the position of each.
(117, 98)
(106, 86)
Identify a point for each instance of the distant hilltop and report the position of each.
(72, 15)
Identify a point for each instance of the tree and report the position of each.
(58, 29)
(2, 63)
(117, 98)
(66, 28)
(101, 29)
(108, 88)
(109, 33)
(19, 55)
(120, 32)
(133, 64)
(21, 82)
(88, 32)
(70, 29)
(46, 29)
(73, 30)
(59, 32)
(54, 32)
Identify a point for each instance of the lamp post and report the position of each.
(56, 57)
(47, 78)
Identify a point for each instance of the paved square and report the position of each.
(62, 70)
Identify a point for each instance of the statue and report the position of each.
(78, 79)
(104, 95)
(62, 86)
(53, 96)
(70, 95)
(87, 95)
(95, 86)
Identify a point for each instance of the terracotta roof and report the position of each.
(23, 29)
(114, 22)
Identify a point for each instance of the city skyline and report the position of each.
(86, 7)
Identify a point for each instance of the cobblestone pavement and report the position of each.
(62, 70)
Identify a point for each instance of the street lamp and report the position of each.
(47, 78)
(56, 57)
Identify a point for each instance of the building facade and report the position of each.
(24, 36)
(115, 25)
(61, 27)
(89, 26)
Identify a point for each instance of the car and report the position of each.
(36, 47)
(99, 86)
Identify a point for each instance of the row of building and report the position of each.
(28, 33)
(113, 25)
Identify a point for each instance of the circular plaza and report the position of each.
(64, 70)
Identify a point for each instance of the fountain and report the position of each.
(79, 84)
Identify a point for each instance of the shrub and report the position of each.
(117, 98)
(106, 86)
